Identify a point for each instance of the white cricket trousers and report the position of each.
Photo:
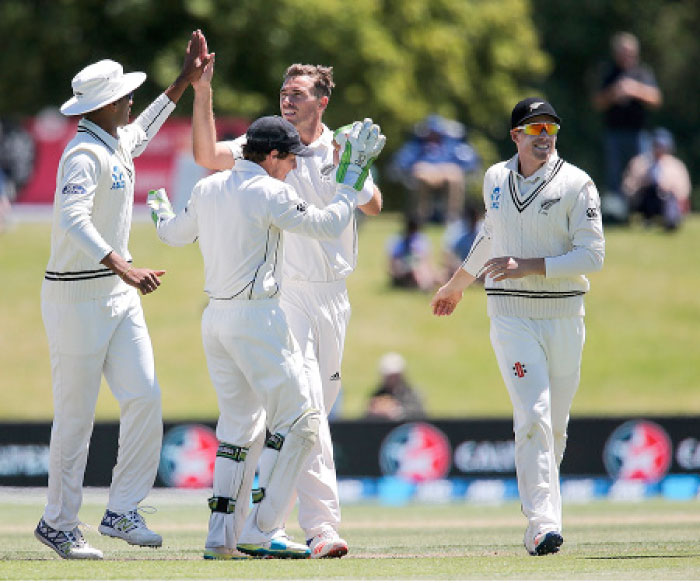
(318, 315)
(255, 367)
(86, 340)
(257, 371)
(540, 361)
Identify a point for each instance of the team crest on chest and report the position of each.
(496, 198)
(118, 181)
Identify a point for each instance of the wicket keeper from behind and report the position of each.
(315, 297)
(91, 309)
(255, 365)
(541, 235)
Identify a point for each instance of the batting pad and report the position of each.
(242, 509)
(233, 479)
(280, 487)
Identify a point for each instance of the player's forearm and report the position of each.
(75, 220)
(175, 91)
(151, 120)
(460, 280)
(327, 223)
(374, 206)
(204, 128)
(116, 263)
(177, 231)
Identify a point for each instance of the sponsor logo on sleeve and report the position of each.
(73, 189)
(302, 206)
(592, 213)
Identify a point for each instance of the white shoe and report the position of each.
(223, 554)
(543, 543)
(327, 545)
(279, 547)
(68, 544)
(275, 544)
(130, 527)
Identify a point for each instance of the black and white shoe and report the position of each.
(68, 544)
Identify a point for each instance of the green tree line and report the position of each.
(394, 60)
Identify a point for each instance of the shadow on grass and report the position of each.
(642, 557)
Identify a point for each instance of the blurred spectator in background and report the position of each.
(16, 164)
(459, 235)
(6, 194)
(410, 258)
(394, 399)
(658, 184)
(435, 160)
(627, 90)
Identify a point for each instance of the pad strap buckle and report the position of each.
(232, 452)
(258, 495)
(275, 441)
(222, 504)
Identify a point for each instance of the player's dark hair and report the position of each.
(322, 76)
(257, 155)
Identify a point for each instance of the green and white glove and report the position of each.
(160, 205)
(360, 144)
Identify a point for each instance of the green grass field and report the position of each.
(640, 355)
(654, 540)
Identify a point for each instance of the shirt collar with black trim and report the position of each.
(542, 173)
(95, 130)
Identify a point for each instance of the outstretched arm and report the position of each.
(196, 58)
(207, 151)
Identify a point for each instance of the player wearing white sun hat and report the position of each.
(91, 309)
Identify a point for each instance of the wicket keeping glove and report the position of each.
(359, 147)
(160, 205)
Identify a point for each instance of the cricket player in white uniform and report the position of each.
(91, 309)
(314, 298)
(541, 234)
(256, 366)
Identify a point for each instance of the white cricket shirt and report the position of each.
(93, 205)
(555, 214)
(313, 179)
(239, 217)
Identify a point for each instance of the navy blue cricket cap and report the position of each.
(273, 132)
(529, 108)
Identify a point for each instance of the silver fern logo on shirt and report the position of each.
(548, 204)
(326, 172)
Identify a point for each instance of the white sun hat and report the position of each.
(392, 363)
(99, 84)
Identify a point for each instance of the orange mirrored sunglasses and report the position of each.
(536, 128)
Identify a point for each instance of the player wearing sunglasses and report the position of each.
(542, 233)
